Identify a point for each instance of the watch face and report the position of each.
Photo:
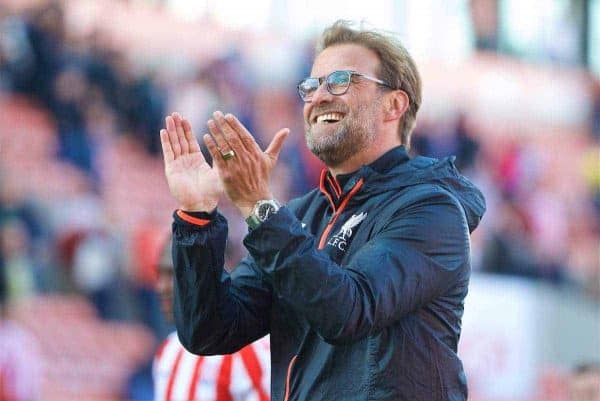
(265, 210)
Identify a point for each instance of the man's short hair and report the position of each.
(397, 67)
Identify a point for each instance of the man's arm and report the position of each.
(420, 254)
(215, 312)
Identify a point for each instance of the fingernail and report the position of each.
(229, 116)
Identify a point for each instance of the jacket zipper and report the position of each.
(287, 379)
(337, 213)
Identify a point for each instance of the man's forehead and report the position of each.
(345, 57)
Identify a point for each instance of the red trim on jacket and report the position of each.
(325, 234)
(192, 219)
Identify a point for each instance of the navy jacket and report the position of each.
(360, 283)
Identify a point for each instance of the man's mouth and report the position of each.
(328, 118)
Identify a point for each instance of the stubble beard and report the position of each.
(353, 134)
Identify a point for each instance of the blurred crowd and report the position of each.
(104, 111)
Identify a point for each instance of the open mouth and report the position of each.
(328, 118)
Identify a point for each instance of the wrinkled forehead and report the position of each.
(345, 57)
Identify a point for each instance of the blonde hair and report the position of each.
(397, 68)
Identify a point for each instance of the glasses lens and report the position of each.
(307, 87)
(338, 82)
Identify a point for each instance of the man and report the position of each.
(181, 376)
(360, 282)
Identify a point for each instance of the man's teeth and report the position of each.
(331, 117)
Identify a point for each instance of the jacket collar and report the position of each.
(382, 165)
(335, 187)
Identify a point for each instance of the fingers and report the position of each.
(183, 142)
(235, 133)
(214, 151)
(217, 136)
(276, 144)
(190, 137)
(172, 135)
(228, 133)
(244, 135)
(166, 146)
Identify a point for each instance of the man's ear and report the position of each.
(396, 104)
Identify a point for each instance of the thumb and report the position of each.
(277, 143)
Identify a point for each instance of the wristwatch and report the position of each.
(263, 209)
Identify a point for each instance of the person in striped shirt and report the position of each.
(182, 376)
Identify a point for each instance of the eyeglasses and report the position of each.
(337, 83)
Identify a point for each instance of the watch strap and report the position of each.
(253, 221)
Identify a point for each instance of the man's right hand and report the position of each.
(194, 183)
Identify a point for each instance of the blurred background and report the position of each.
(511, 87)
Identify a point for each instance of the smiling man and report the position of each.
(360, 282)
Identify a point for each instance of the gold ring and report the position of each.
(228, 155)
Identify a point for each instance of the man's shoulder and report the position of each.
(417, 194)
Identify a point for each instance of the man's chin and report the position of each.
(329, 155)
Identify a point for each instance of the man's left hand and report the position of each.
(245, 174)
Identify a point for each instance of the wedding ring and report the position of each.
(228, 155)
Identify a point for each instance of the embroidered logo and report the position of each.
(340, 240)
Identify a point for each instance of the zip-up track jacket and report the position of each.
(361, 286)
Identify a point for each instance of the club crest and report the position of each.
(340, 240)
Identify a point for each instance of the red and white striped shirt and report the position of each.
(182, 376)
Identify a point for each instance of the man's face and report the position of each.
(165, 290)
(359, 109)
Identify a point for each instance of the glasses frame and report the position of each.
(325, 78)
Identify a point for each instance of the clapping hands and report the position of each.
(240, 167)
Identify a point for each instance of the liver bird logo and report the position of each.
(346, 230)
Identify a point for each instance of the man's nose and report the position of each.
(321, 95)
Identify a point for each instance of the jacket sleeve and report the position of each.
(418, 256)
(215, 312)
